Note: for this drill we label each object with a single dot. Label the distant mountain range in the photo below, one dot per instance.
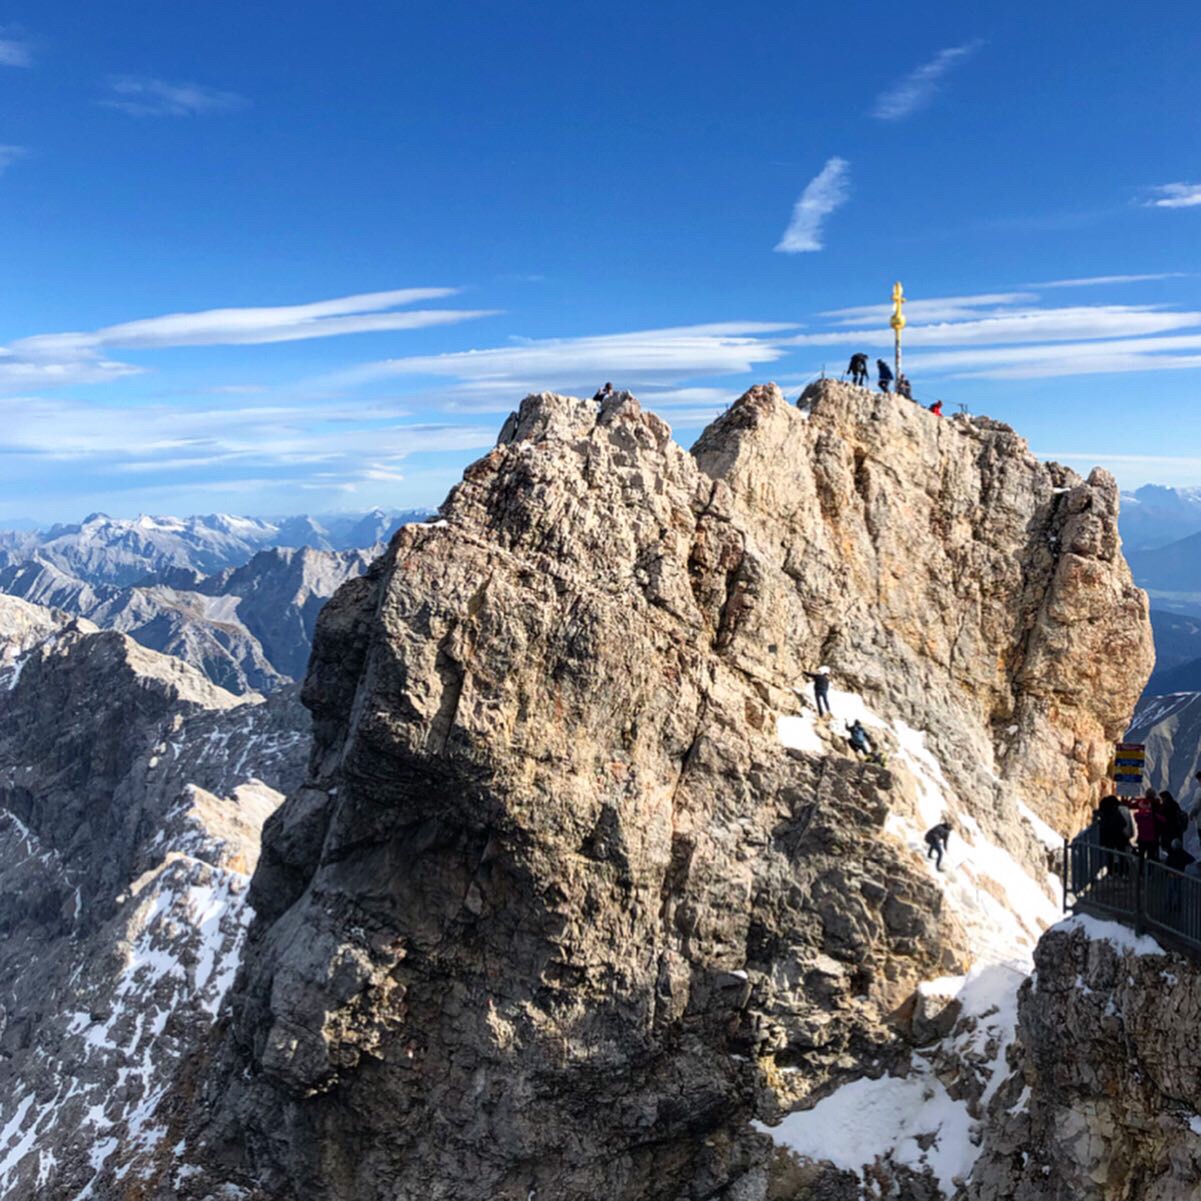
(236, 597)
(103, 549)
(1154, 515)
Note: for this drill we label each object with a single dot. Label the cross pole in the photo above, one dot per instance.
(897, 321)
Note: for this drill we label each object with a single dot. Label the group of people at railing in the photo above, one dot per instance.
(1154, 827)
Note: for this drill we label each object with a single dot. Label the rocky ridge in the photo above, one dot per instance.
(247, 628)
(132, 796)
(578, 887)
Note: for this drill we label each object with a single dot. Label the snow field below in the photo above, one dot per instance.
(913, 1120)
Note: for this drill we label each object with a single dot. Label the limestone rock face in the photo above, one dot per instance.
(948, 572)
(557, 911)
(1103, 1104)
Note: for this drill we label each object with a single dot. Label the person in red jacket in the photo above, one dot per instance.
(936, 408)
(1146, 824)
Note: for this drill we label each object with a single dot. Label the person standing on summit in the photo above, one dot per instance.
(885, 373)
(857, 368)
(821, 689)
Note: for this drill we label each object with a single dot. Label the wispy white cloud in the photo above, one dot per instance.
(48, 360)
(659, 356)
(935, 308)
(144, 97)
(1175, 196)
(1050, 361)
(1099, 280)
(1019, 325)
(825, 192)
(1072, 456)
(9, 155)
(917, 89)
(247, 326)
(15, 51)
(296, 442)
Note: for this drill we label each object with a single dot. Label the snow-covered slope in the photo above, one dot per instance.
(927, 1118)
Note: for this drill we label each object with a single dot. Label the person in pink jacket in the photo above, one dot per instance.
(1147, 825)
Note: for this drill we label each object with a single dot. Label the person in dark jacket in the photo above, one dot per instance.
(857, 368)
(821, 688)
(1175, 820)
(903, 386)
(936, 840)
(1178, 859)
(885, 374)
(1114, 834)
(857, 736)
(603, 394)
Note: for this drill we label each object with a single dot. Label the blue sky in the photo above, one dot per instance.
(267, 258)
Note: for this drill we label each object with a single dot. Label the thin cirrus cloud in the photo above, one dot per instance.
(15, 51)
(918, 88)
(490, 379)
(1011, 336)
(1020, 325)
(9, 155)
(225, 445)
(943, 308)
(47, 360)
(1092, 281)
(1175, 196)
(144, 97)
(824, 193)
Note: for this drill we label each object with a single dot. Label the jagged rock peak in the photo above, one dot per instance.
(578, 885)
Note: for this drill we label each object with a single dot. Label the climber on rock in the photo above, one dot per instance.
(861, 744)
(936, 840)
(936, 408)
(857, 369)
(904, 388)
(603, 394)
(885, 374)
(821, 689)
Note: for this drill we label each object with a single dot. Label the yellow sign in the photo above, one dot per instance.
(897, 320)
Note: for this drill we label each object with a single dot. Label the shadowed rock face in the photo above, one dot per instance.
(1104, 1098)
(556, 906)
(132, 795)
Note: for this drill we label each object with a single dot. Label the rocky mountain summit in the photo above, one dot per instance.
(132, 796)
(581, 899)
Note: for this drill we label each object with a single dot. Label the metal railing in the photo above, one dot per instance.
(1135, 889)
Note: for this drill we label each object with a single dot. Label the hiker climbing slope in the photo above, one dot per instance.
(936, 840)
(821, 688)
